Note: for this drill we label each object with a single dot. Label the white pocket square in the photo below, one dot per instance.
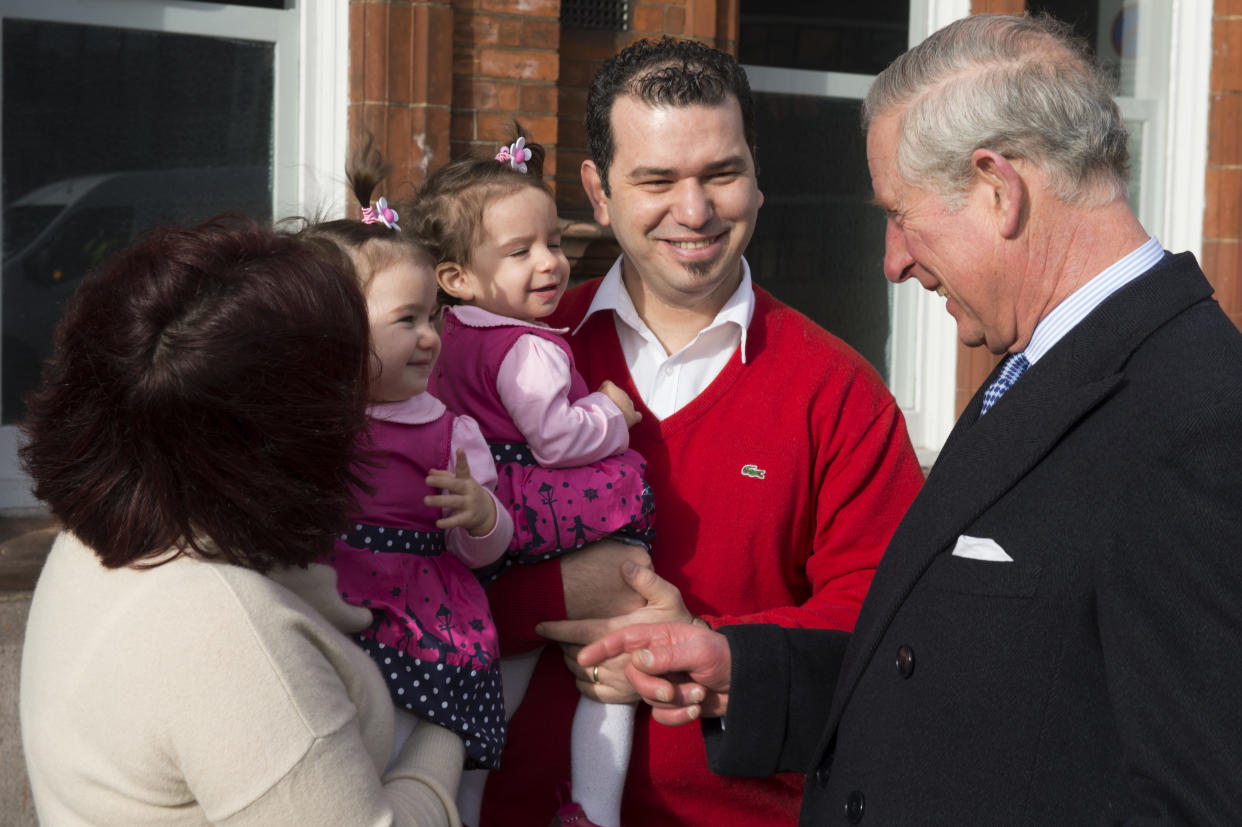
(980, 548)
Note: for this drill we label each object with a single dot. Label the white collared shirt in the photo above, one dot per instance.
(1066, 315)
(668, 382)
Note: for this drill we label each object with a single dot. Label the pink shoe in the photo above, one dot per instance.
(570, 812)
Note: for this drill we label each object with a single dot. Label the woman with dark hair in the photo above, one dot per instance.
(182, 664)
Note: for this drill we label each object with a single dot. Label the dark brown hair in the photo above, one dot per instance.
(205, 394)
(447, 215)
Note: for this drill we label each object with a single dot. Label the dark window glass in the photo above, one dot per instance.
(818, 244)
(1110, 28)
(117, 131)
(860, 38)
(258, 4)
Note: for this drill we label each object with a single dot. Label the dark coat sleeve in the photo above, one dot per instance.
(781, 684)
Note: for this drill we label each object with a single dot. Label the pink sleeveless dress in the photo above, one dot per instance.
(554, 510)
(432, 635)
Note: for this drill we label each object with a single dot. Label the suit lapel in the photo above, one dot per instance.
(983, 458)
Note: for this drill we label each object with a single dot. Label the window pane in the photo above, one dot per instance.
(819, 245)
(258, 4)
(1135, 146)
(860, 38)
(116, 131)
(1110, 28)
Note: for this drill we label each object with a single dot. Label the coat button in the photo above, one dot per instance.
(854, 807)
(821, 775)
(905, 661)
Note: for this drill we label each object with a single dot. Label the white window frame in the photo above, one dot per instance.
(1173, 117)
(310, 113)
(1187, 97)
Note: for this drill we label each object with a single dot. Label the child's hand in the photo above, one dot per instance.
(469, 504)
(623, 401)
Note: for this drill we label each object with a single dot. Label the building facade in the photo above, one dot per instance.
(151, 110)
(119, 114)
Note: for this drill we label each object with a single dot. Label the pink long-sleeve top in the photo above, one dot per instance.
(533, 381)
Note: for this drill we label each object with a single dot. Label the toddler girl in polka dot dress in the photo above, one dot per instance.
(420, 528)
(566, 472)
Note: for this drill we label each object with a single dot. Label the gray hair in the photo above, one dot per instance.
(1022, 86)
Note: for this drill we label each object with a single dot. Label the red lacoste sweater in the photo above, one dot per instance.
(776, 490)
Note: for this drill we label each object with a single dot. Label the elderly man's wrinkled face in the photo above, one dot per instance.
(954, 253)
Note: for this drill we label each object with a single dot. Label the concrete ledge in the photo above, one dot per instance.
(24, 544)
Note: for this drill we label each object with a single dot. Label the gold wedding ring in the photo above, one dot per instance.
(595, 674)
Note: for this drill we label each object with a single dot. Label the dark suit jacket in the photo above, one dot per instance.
(1097, 677)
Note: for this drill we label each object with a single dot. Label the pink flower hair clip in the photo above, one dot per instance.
(515, 155)
(381, 213)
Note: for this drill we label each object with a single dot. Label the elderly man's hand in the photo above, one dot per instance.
(682, 670)
(607, 681)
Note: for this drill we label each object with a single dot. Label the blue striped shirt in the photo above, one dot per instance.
(1066, 315)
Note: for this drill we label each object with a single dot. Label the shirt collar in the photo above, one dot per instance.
(1079, 304)
(478, 317)
(612, 295)
(417, 410)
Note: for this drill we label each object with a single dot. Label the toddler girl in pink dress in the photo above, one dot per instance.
(420, 529)
(565, 469)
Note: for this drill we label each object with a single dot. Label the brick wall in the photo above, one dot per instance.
(1222, 217)
(582, 51)
(997, 6)
(400, 84)
(590, 248)
(433, 78)
(505, 67)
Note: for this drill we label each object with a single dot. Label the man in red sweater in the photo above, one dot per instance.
(780, 462)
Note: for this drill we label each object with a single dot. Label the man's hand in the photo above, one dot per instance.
(682, 670)
(662, 603)
(468, 503)
(622, 400)
(592, 581)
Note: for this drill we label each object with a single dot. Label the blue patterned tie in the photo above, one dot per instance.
(1015, 365)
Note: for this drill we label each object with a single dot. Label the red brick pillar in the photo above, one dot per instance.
(997, 6)
(400, 84)
(505, 66)
(1222, 217)
(653, 18)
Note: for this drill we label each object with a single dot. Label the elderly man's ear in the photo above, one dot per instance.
(455, 280)
(594, 186)
(1008, 189)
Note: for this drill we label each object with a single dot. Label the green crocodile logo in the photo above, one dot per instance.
(753, 471)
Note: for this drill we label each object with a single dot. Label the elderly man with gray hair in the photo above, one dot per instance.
(1047, 638)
